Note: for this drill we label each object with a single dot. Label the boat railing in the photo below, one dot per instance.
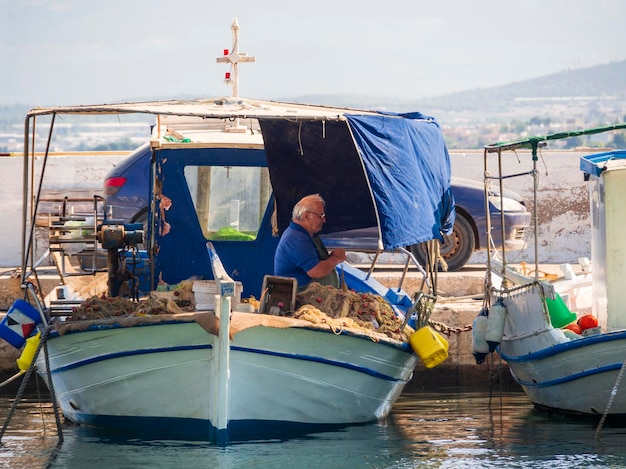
(499, 177)
(409, 261)
(72, 233)
(368, 247)
(70, 225)
(421, 302)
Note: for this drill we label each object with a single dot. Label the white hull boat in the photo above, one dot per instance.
(573, 377)
(560, 371)
(231, 188)
(567, 361)
(286, 376)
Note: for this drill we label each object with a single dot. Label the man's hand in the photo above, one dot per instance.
(339, 253)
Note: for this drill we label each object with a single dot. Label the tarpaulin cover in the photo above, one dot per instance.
(395, 173)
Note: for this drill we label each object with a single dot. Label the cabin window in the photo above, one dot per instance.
(230, 201)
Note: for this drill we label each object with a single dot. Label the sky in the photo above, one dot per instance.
(66, 52)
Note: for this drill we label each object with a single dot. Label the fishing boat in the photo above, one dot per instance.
(254, 358)
(567, 360)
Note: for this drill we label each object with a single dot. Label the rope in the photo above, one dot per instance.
(55, 404)
(434, 260)
(610, 403)
(27, 374)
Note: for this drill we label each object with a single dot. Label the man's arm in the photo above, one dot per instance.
(325, 267)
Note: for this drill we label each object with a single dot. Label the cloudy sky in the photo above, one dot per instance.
(56, 52)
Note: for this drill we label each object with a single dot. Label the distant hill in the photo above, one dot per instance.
(599, 81)
(605, 81)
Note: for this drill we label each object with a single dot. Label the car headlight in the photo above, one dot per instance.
(506, 204)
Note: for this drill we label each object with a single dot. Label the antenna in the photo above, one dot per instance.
(234, 57)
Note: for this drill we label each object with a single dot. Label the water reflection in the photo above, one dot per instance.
(31, 436)
(424, 430)
(467, 430)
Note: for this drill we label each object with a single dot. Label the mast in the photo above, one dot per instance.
(234, 58)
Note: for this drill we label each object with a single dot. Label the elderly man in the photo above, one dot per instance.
(301, 253)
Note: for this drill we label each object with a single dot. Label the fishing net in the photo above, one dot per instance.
(102, 307)
(357, 310)
(318, 304)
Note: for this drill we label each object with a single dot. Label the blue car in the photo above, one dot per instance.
(126, 191)
(126, 187)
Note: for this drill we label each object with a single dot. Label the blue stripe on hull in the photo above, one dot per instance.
(325, 361)
(129, 353)
(566, 346)
(568, 378)
(295, 356)
(576, 346)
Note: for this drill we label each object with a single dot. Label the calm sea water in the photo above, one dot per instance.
(425, 429)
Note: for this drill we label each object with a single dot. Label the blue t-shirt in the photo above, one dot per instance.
(296, 254)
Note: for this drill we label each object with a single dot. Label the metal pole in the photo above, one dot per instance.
(221, 394)
(535, 210)
(222, 354)
(25, 186)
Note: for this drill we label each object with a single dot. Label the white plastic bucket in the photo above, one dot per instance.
(204, 292)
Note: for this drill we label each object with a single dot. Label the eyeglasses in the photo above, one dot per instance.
(321, 215)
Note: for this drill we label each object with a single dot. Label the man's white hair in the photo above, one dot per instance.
(306, 203)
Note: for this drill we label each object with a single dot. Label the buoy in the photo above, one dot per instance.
(575, 328)
(560, 315)
(28, 354)
(495, 324)
(480, 348)
(588, 321)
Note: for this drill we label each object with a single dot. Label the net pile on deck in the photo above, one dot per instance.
(104, 307)
(356, 310)
(318, 304)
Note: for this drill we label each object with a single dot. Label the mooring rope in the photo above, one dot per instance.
(610, 402)
(53, 397)
(22, 388)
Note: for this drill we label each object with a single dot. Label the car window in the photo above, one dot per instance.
(229, 201)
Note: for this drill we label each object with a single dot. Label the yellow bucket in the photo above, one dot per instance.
(429, 346)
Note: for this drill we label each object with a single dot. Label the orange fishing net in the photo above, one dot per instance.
(366, 310)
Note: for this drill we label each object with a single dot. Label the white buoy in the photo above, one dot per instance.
(480, 348)
(495, 324)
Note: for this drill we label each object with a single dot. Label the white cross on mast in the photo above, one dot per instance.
(234, 58)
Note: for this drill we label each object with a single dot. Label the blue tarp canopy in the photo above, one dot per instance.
(386, 170)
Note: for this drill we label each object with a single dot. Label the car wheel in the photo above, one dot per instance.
(457, 247)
